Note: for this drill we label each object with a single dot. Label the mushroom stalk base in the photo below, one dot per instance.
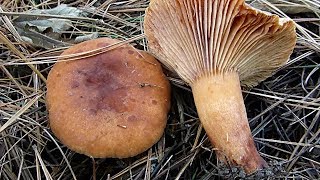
(222, 113)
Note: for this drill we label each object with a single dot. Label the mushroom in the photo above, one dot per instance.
(111, 105)
(215, 46)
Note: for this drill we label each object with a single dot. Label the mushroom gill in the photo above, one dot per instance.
(216, 46)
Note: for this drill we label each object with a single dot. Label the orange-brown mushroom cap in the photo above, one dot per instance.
(197, 38)
(114, 104)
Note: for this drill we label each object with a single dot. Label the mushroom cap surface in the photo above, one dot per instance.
(114, 104)
(197, 38)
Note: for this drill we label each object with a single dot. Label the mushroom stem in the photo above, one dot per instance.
(222, 113)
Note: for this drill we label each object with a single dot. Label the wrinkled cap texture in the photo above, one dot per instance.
(197, 38)
(114, 104)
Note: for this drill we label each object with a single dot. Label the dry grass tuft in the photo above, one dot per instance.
(283, 111)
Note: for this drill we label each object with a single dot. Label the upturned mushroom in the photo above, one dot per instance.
(215, 46)
(111, 105)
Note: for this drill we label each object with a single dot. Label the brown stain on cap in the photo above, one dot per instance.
(100, 78)
(130, 52)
